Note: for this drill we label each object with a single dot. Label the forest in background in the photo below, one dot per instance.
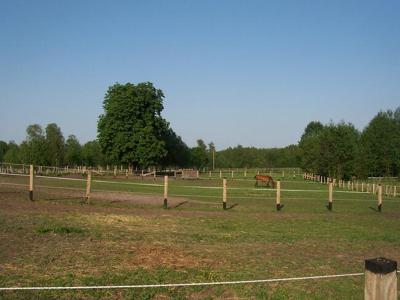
(132, 132)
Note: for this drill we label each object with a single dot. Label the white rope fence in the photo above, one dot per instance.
(182, 186)
(170, 285)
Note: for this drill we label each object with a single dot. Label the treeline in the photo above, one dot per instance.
(132, 132)
(49, 148)
(251, 157)
(341, 151)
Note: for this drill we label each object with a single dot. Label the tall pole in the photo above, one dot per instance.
(213, 158)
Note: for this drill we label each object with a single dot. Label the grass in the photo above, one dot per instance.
(64, 242)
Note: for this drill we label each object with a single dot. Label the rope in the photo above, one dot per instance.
(170, 285)
(184, 186)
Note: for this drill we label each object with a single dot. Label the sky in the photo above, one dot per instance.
(253, 73)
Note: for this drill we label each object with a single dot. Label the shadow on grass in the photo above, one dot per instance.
(180, 204)
(232, 206)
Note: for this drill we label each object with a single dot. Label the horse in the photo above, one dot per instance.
(268, 180)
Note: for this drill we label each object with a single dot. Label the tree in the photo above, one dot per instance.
(3, 150)
(130, 130)
(92, 155)
(380, 144)
(55, 145)
(199, 155)
(178, 153)
(73, 151)
(309, 147)
(13, 154)
(33, 150)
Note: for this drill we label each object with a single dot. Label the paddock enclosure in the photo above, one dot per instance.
(120, 233)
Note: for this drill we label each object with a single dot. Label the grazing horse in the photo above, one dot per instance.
(268, 180)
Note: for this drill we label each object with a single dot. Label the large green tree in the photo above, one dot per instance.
(130, 131)
(380, 144)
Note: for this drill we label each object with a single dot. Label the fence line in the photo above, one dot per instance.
(182, 186)
(169, 285)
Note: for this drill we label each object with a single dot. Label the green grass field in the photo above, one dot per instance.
(58, 240)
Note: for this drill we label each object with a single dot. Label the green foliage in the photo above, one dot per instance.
(178, 153)
(339, 150)
(55, 145)
(242, 157)
(381, 144)
(330, 150)
(130, 130)
(13, 154)
(34, 149)
(73, 151)
(91, 154)
(200, 155)
(3, 149)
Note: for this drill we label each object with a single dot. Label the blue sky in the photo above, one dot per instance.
(234, 72)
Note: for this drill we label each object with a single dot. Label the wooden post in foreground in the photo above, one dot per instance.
(224, 193)
(31, 182)
(330, 196)
(165, 192)
(380, 279)
(88, 186)
(278, 195)
(379, 198)
(394, 191)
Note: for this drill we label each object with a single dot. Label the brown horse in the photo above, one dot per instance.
(268, 180)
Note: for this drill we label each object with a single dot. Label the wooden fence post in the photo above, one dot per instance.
(232, 174)
(220, 173)
(394, 191)
(373, 188)
(380, 279)
(31, 182)
(330, 195)
(115, 171)
(88, 186)
(165, 192)
(379, 198)
(278, 195)
(224, 193)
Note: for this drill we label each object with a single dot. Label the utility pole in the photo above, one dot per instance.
(213, 158)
